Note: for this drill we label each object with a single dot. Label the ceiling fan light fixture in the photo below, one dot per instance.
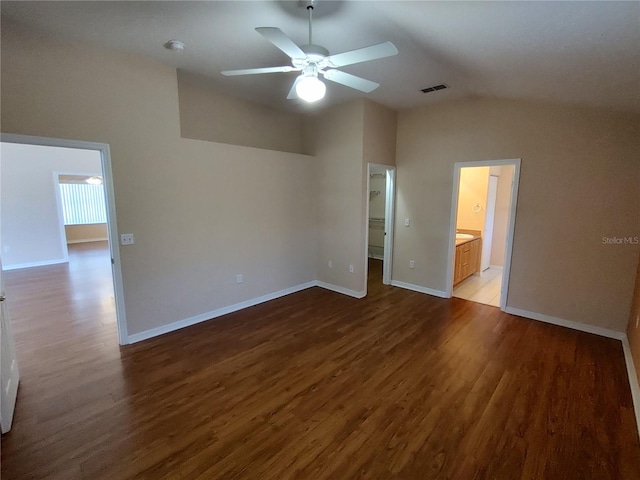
(314, 59)
(94, 180)
(310, 88)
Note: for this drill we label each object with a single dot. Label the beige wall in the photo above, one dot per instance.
(579, 182)
(86, 233)
(380, 130)
(335, 137)
(208, 115)
(501, 219)
(633, 329)
(474, 183)
(201, 212)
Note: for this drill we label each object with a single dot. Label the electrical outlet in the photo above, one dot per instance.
(126, 239)
(351, 269)
(406, 222)
(412, 264)
(330, 263)
(239, 279)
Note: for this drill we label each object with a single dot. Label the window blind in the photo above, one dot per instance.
(83, 203)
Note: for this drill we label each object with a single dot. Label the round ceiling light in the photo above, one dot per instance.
(310, 89)
(174, 45)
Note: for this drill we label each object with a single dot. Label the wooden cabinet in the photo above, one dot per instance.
(467, 260)
(475, 250)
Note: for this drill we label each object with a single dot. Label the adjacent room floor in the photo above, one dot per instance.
(314, 385)
(482, 287)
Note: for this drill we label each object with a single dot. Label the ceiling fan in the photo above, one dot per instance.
(313, 60)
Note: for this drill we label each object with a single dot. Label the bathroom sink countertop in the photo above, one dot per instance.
(464, 238)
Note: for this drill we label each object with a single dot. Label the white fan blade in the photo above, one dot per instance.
(280, 40)
(352, 81)
(386, 49)
(292, 92)
(254, 71)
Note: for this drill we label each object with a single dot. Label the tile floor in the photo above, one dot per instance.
(481, 288)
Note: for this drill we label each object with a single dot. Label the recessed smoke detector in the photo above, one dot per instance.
(435, 88)
(174, 45)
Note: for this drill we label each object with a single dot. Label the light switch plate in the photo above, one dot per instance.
(406, 222)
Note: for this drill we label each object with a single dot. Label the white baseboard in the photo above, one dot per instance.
(338, 289)
(87, 240)
(34, 264)
(187, 322)
(418, 288)
(583, 327)
(633, 380)
(497, 267)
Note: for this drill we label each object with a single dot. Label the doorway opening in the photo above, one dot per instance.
(380, 218)
(87, 243)
(482, 225)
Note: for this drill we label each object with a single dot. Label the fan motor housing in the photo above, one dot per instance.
(315, 52)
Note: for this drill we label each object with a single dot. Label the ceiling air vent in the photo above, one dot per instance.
(435, 88)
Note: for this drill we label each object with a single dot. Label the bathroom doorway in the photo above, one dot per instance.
(482, 226)
(380, 211)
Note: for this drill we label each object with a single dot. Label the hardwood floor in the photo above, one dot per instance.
(315, 385)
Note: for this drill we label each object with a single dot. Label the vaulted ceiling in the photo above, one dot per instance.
(585, 53)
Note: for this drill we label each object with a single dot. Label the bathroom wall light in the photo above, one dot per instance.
(310, 89)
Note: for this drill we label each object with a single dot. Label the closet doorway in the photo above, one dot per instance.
(381, 182)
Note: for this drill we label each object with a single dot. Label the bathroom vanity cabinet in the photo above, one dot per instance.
(467, 259)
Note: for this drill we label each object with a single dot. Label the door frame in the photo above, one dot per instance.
(112, 225)
(506, 271)
(389, 207)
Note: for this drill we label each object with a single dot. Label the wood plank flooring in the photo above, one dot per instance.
(315, 385)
